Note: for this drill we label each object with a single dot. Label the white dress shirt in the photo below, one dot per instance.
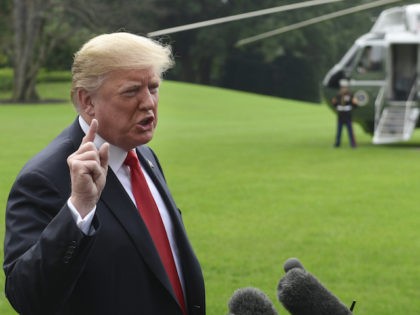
(116, 163)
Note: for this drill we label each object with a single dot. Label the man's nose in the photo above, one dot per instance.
(146, 100)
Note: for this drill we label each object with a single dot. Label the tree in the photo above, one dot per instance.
(290, 65)
(38, 25)
(5, 9)
(29, 50)
(41, 25)
(51, 30)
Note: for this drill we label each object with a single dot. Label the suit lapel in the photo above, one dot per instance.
(189, 264)
(127, 214)
(151, 166)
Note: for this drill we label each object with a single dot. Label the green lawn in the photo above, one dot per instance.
(258, 181)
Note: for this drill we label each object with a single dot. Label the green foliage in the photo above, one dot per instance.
(5, 33)
(258, 181)
(53, 76)
(208, 55)
(6, 77)
(290, 65)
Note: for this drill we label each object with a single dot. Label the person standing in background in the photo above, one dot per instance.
(344, 102)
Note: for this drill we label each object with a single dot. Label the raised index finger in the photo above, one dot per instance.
(90, 135)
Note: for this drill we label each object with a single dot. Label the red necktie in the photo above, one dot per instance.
(151, 217)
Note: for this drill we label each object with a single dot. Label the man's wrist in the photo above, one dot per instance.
(83, 223)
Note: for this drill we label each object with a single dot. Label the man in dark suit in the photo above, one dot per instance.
(77, 241)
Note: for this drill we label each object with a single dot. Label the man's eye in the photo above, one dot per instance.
(130, 92)
(154, 89)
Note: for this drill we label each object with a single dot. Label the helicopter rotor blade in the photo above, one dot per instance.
(236, 17)
(318, 19)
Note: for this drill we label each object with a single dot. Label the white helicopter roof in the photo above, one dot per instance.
(399, 19)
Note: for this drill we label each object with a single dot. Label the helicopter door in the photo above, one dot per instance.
(404, 70)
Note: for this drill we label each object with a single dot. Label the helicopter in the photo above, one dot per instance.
(382, 69)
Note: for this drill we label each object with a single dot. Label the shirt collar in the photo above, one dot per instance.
(116, 154)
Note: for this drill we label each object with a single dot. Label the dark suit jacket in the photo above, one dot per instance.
(51, 267)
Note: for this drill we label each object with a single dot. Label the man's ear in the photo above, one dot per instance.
(85, 103)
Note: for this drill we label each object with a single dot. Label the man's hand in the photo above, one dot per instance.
(88, 169)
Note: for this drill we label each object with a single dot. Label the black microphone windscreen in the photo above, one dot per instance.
(292, 263)
(250, 301)
(302, 294)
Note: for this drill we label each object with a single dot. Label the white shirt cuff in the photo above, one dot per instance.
(84, 224)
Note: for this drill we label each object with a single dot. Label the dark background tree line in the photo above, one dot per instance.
(37, 34)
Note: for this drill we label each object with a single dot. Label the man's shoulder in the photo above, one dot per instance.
(56, 152)
(146, 151)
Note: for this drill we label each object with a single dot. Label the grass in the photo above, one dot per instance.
(258, 181)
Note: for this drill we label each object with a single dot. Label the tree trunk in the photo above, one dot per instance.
(29, 16)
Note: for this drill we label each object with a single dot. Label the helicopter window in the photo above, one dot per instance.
(350, 60)
(371, 59)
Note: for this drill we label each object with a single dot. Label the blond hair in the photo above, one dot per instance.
(105, 53)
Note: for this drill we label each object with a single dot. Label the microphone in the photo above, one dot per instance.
(302, 294)
(292, 263)
(250, 301)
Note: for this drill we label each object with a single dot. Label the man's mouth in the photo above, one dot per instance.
(146, 121)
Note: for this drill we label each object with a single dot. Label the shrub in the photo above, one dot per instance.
(54, 76)
(6, 77)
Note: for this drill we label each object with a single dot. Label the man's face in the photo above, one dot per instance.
(126, 107)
